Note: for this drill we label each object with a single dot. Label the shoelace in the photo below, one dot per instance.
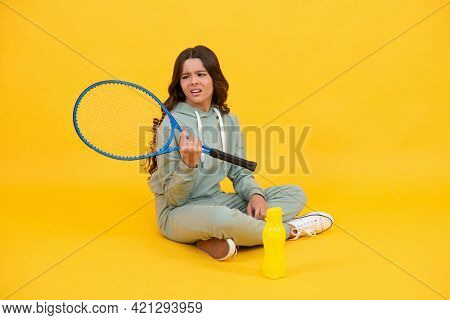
(307, 229)
(299, 232)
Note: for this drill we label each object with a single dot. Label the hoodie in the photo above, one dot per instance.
(175, 184)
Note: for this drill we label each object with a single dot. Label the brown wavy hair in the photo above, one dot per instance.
(219, 97)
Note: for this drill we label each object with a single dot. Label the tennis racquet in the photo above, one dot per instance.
(108, 116)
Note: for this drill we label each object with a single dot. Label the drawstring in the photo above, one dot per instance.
(200, 132)
(222, 130)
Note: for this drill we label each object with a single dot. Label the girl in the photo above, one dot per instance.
(190, 206)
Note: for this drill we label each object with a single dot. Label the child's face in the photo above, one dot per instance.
(197, 84)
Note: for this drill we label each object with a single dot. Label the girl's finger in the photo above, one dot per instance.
(183, 138)
(197, 145)
(190, 142)
(263, 212)
(257, 213)
(252, 211)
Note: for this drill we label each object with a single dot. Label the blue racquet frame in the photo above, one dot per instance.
(165, 149)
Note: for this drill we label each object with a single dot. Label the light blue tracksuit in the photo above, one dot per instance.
(190, 205)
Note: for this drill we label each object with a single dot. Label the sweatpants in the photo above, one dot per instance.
(225, 216)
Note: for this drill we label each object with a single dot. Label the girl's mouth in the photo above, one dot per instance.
(195, 92)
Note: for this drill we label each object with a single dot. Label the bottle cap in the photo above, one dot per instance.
(274, 215)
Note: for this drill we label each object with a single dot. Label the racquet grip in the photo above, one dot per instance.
(250, 165)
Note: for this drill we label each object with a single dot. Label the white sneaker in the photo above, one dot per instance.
(310, 224)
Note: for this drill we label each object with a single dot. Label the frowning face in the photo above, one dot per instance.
(197, 84)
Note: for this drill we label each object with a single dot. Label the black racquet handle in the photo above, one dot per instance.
(250, 165)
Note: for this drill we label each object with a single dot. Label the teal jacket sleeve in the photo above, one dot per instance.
(243, 181)
(175, 177)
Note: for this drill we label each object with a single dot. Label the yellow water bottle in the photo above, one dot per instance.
(274, 239)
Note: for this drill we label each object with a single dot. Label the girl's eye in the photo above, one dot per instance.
(202, 74)
(184, 77)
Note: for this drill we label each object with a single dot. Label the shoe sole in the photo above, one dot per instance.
(232, 252)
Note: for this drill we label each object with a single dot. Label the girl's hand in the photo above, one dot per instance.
(257, 207)
(190, 150)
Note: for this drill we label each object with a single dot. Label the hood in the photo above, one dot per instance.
(188, 110)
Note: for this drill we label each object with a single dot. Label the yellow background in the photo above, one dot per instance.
(76, 225)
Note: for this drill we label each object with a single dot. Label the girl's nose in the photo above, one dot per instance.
(194, 79)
